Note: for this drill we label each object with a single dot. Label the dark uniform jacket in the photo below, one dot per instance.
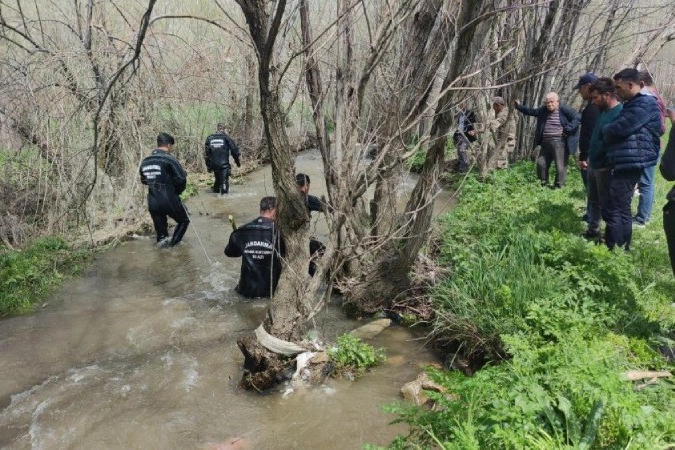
(261, 248)
(667, 166)
(589, 116)
(217, 150)
(165, 178)
(569, 119)
(634, 137)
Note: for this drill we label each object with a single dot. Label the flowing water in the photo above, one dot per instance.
(140, 352)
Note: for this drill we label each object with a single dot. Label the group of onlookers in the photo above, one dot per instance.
(618, 134)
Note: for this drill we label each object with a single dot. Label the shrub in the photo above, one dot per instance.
(353, 357)
(27, 276)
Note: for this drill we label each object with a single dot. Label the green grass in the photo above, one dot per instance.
(557, 319)
(28, 276)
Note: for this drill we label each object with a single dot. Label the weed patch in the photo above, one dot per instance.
(560, 320)
(28, 276)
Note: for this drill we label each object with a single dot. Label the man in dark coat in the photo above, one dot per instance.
(464, 135)
(557, 134)
(166, 180)
(633, 143)
(261, 247)
(217, 150)
(667, 169)
(316, 247)
(589, 115)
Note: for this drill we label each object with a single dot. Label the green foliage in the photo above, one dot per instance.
(563, 317)
(416, 162)
(351, 355)
(190, 191)
(27, 276)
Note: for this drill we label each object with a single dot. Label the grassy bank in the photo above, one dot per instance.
(28, 276)
(558, 320)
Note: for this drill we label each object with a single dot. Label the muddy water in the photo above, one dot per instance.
(140, 352)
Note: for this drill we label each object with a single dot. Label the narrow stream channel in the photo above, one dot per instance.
(140, 352)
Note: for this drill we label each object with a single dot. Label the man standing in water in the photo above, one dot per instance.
(166, 180)
(217, 150)
(261, 247)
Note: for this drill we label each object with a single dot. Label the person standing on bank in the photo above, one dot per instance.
(634, 142)
(166, 180)
(217, 150)
(556, 133)
(667, 169)
(464, 136)
(589, 115)
(261, 247)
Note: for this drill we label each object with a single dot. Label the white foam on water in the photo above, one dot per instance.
(191, 376)
(77, 375)
(37, 435)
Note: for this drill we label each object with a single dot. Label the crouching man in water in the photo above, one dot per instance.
(166, 180)
(261, 247)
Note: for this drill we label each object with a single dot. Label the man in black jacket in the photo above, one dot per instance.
(589, 115)
(166, 180)
(556, 133)
(464, 136)
(667, 169)
(261, 247)
(217, 150)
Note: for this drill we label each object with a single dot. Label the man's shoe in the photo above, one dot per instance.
(164, 243)
(638, 224)
(592, 235)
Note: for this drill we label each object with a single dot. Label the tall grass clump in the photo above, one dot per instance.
(28, 276)
(548, 325)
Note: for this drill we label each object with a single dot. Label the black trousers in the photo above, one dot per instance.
(669, 228)
(221, 185)
(619, 220)
(552, 150)
(177, 212)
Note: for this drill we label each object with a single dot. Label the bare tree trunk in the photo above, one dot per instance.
(389, 277)
(290, 307)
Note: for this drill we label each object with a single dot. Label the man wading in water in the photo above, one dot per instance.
(261, 248)
(166, 180)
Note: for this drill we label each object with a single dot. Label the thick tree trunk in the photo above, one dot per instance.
(388, 277)
(291, 304)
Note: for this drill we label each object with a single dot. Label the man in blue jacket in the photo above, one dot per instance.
(556, 132)
(633, 142)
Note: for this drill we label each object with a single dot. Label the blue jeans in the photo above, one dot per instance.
(646, 187)
(619, 220)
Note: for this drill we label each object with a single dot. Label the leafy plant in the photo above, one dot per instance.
(27, 276)
(353, 356)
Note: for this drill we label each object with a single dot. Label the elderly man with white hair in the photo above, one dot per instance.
(557, 135)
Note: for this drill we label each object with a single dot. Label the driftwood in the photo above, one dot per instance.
(635, 375)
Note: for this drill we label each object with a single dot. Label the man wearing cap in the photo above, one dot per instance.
(166, 180)
(503, 141)
(217, 150)
(589, 115)
(556, 133)
(261, 247)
